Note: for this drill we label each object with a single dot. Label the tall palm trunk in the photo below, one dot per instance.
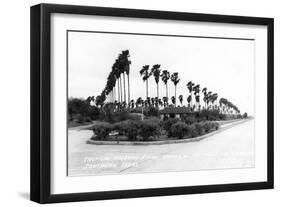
(115, 93)
(157, 94)
(129, 99)
(167, 90)
(124, 88)
(118, 90)
(175, 95)
(146, 89)
(191, 104)
(121, 95)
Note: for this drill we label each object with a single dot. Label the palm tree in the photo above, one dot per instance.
(173, 100)
(114, 71)
(152, 101)
(204, 91)
(110, 85)
(88, 100)
(165, 100)
(145, 73)
(117, 73)
(99, 101)
(214, 99)
(228, 106)
(139, 102)
(224, 103)
(189, 100)
(148, 100)
(142, 102)
(196, 90)
(175, 79)
(180, 99)
(220, 106)
(155, 71)
(132, 103)
(121, 60)
(160, 102)
(189, 86)
(127, 63)
(165, 76)
(156, 100)
(120, 89)
(93, 99)
(116, 104)
(209, 95)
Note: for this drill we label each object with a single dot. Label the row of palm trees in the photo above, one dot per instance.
(165, 75)
(224, 106)
(227, 106)
(209, 98)
(115, 88)
(156, 72)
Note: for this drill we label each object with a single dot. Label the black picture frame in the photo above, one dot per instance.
(40, 102)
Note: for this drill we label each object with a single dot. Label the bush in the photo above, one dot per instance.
(167, 124)
(94, 113)
(189, 120)
(210, 126)
(153, 120)
(199, 129)
(79, 118)
(193, 131)
(245, 115)
(109, 115)
(80, 107)
(77, 106)
(121, 116)
(207, 127)
(210, 115)
(215, 125)
(148, 129)
(129, 128)
(102, 130)
(152, 111)
(120, 127)
(135, 116)
(222, 117)
(132, 130)
(180, 129)
(87, 119)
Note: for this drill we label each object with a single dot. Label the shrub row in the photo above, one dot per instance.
(180, 129)
(210, 115)
(102, 130)
(134, 129)
(130, 128)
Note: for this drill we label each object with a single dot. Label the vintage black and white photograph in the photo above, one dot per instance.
(150, 103)
(130, 103)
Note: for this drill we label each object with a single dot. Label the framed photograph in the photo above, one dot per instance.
(132, 103)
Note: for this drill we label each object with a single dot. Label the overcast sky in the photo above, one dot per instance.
(223, 66)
